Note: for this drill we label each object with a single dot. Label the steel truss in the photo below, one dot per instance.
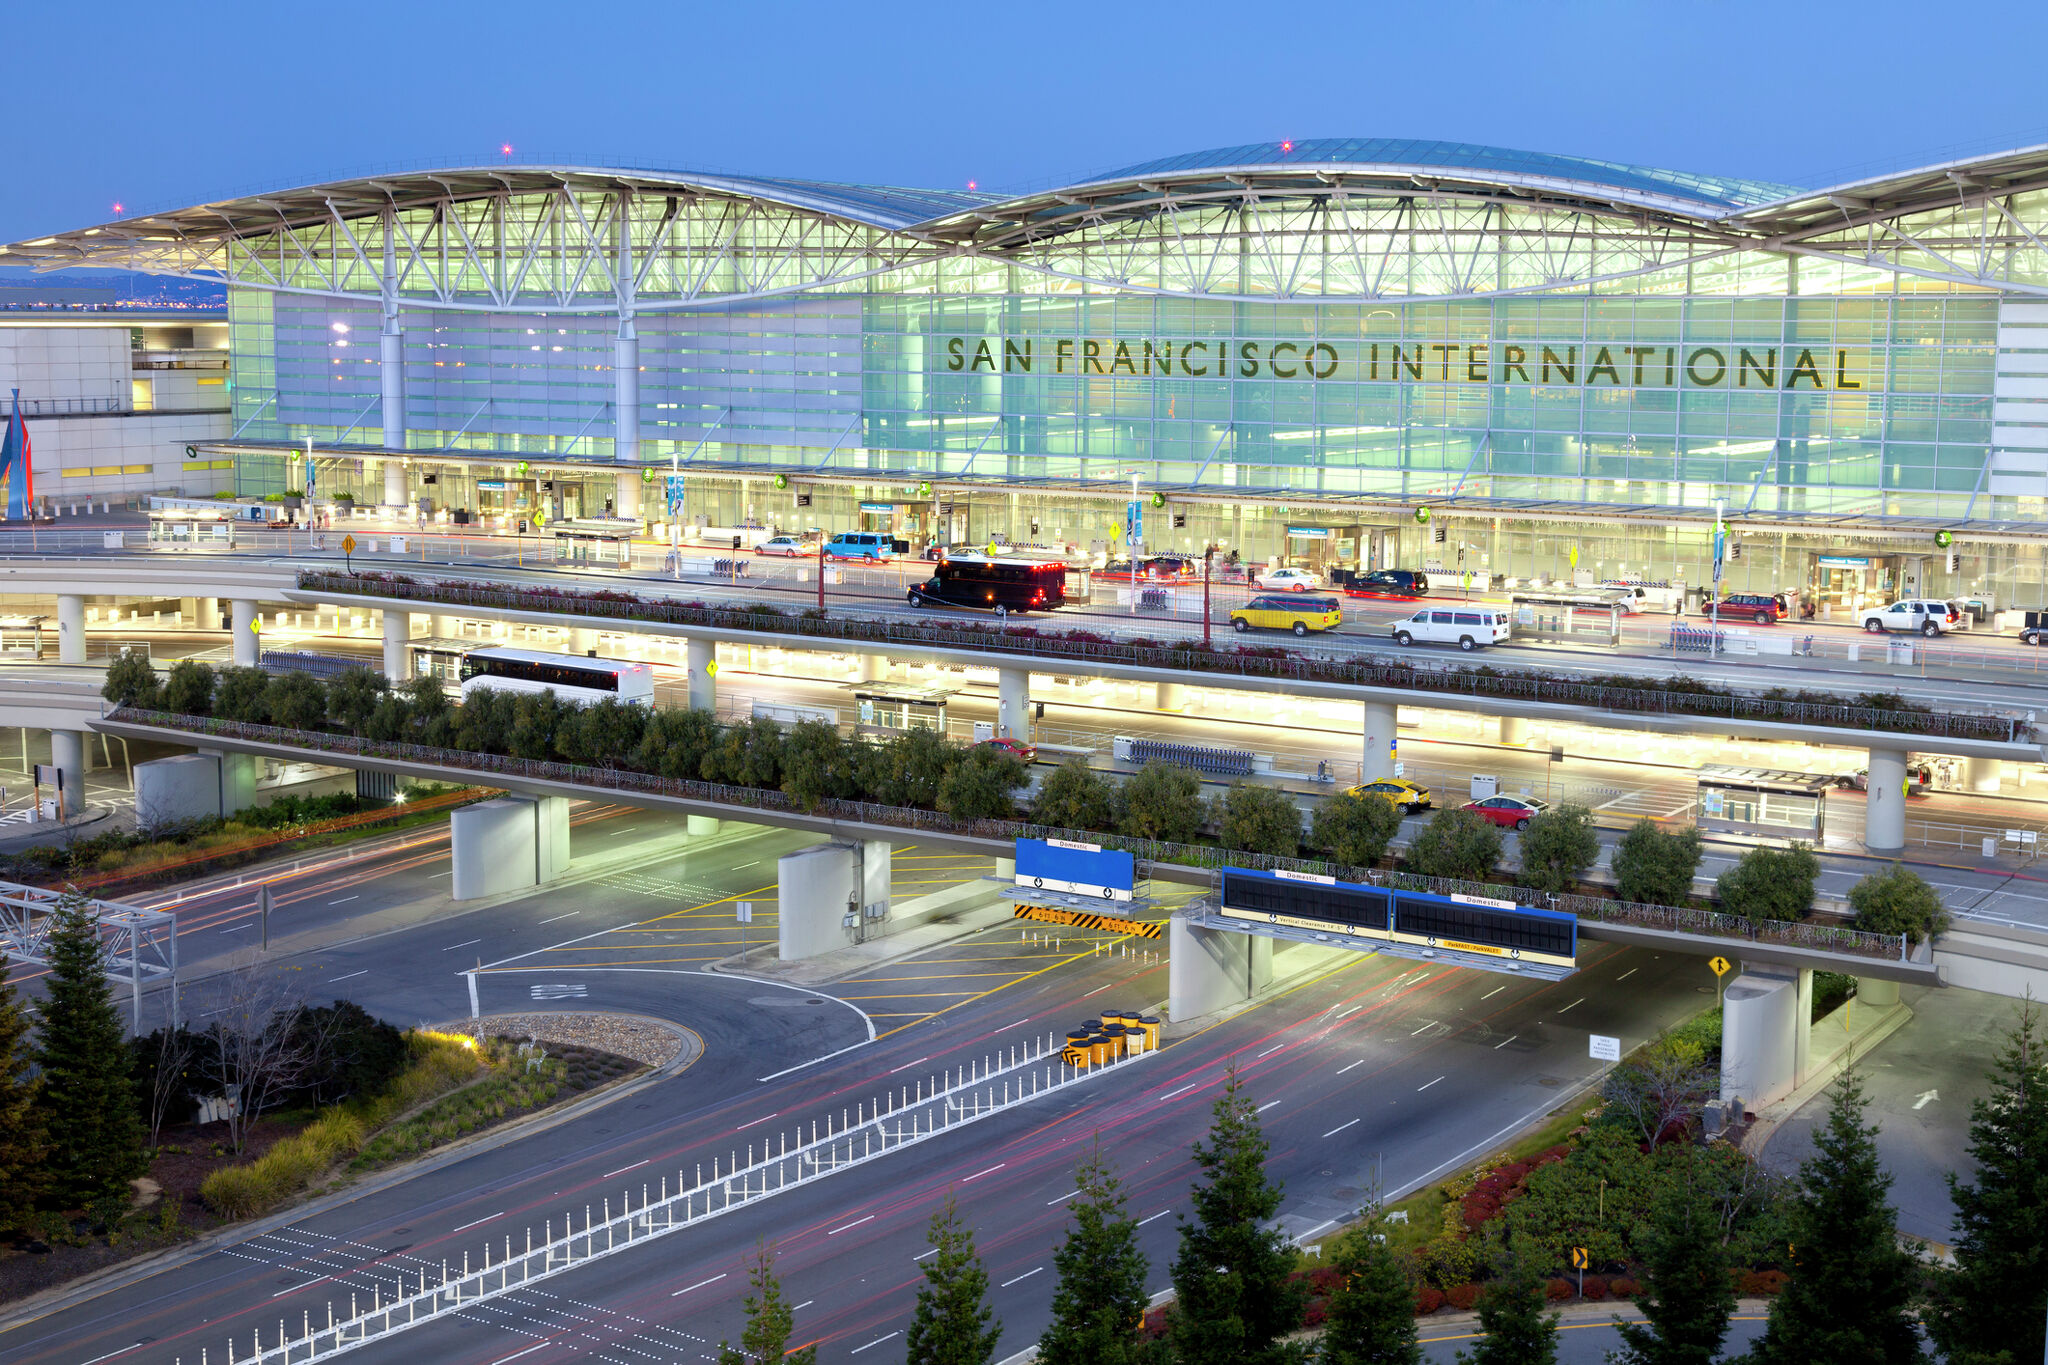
(141, 946)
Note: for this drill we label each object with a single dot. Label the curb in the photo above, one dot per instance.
(1776, 1114)
(89, 1287)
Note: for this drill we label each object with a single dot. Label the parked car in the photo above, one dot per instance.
(1762, 608)
(1649, 597)
(1390, 583)
(1398, 791)
(788, 546)
(861, 545)
(1509, 812)
(1298, 613)
(1289, 580)
(1912, 613)
(1468, 628)
(1919, 778)
(1028, 753)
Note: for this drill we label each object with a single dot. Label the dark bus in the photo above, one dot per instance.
(985, 583)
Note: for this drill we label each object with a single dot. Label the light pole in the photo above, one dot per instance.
(1134, 519)
(1714, 613)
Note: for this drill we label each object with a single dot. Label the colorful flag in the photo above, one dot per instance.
(14, 465)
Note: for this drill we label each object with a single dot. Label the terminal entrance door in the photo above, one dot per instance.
(1845, 584)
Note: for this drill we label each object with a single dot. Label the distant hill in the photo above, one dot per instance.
(128, 288)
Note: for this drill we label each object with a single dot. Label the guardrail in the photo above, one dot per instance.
(1188, 657)
(1188, 856)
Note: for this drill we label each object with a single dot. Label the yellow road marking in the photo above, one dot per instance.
(942, 976)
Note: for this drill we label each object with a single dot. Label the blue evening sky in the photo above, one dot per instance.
(159, 105)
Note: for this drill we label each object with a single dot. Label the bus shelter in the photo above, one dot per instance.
(191, 528)
(881, 709)
(600, 542)
(1589, 616)
(1762, 802)
(441, 657)
(21, 637)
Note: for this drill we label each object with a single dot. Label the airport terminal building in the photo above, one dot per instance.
(1432, 355)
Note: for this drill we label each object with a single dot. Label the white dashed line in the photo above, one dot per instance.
(876, 1342)
(763, 1119)
(345, 900)
(351, 976)
(1420, 1088)
(990, 1171)
(907, 1065)
(1183, 1090)
(293, 1290)
(466, 943)
(479, 1222)
(609, 1174)
(1161, 1214)
(552, 918)
(1580, 1001)
(1492, 993)
(1270, 1051)
(1264, 1107)
(1354, 1066)
(1627, 974)
(1020, 1279)
(1505, 1041)
(1339, 1128)
(854, 1224)
(699, 1285)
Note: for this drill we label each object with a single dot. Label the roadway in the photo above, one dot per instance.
(1364, 1063)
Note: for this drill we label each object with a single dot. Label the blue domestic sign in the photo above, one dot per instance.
(1076, 868)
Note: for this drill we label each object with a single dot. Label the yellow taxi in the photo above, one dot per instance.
(1298, 612)
(1399, 791)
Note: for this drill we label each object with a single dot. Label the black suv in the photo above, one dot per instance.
(1389, 583)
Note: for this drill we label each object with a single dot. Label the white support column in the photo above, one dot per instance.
(397, 638)
(1212, 969)
(875, 862)
(1884, 814)
(1382, 729)
(394, 483)
(625, 493)
(700, 826)
(243, 634)
(440, 626)
(872, 667)
(1170, 696)
(67, 755)
(1514, 730)
(1760, 1043)
(508, 844)
(70, 629)
(582, 640)
(626, 350)
(1982, 774)
(813, 887)
(702, 659)
(1013, 704)
(1802, 1030)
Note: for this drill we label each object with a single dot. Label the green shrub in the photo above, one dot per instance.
(1075, 796)
(1259, 820)
(132, 681)
(1558, 847)
(1898, 900)
(1355, 828)
(1655, 866)
(1770, 884)
(188, 688)
(982, 785)
(1162, 802)
(1456, 844)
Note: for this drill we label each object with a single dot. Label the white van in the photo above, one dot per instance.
(1466, 627)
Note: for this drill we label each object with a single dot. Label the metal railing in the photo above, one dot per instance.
(1189, 856)
(1691, 700)
(862, 1133)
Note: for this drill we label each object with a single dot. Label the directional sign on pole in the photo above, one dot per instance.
(1580, 1259)
(746, 912)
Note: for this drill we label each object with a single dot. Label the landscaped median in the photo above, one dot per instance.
(1881, 712)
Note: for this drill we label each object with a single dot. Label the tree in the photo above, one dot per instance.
(96, 1148)
(748, 754)
(1259, 820)
(163, 1077)
(1770, 883)
(241, 694)
(536, 717)
(1372, 1312)
(770, 1320)
(257, 1052)
(1355, 827)
(1852, 1284)
(352, 695)
(1099, 1303)
(1236, 1305)
(1075, 796)
(982, 785)
(23, 1140)
(951, 1322)
(390, 719)
(297, 701)
(1665, 1084)
(1456, 844)
(132, 681)
(676, 742)
(1993, 1299)
(909, 770)
(1161, 802)
(1687, 1295)
(1558, 847)
(1897, 900)
(816, 763)
(1655, 866)
(188, 688)
(1517, 1330)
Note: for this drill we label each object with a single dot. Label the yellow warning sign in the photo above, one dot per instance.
(1719, 964)
(348, 545)
(1580, 1260)
(1082, 919)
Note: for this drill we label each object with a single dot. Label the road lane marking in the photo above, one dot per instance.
(552, 918)
(1020, 1279)
(1426, 1025)
(1354, 1066)
(1264, 1107)
(990, 1171)
(1068, 1195)
(763, 1119)
(876, 1342)
(854, 1224)
(1270, 1051)
(464, 944)
(1580, 1001)
(449, 873)
(805, 1304)
(332, 979)
(282, 1292)
(700, 1284)
(1627, 974)
(906, 1066)
(1161, 1214)
(1492, 993)
(481, 1221)
(236, 928)
(1420, 1088)
(621, 1171)
(922, 1254)
(1339, 1128)
(1353, 1010)
(1505, 1041)
(527, 1352)
(345, 899)
(1171, 1093)
(744, 866)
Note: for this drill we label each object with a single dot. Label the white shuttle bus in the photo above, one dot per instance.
(574, 678)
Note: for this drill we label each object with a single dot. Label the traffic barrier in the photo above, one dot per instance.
(1084, 920)
(1200, 757)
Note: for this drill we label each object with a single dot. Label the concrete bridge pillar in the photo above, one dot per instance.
(242, 631)
(582, 640)
(67, 756)
(508, 844)
(1766, 1031)
(701, 656)
(871, 667)
(1013, 704)
(397, 642)
(700, 826)
(440, 626)
(1382, 731)
(1514, 730)
(1875, 993)
(70, 629)
(817, 888)
(1212, 969)
(1884, 817)
(1982, 774)
(394, 483)
(1170, 696)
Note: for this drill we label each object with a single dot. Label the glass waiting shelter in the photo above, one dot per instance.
(21, 637)
(442, 658)
(885, 710)
(191, 527)
(1763, 802)
(602, 542)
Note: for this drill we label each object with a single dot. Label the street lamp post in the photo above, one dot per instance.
(1714, 615)
(1135, 526)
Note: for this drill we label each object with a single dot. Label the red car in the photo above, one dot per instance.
(1027, 753)
(1509, 812)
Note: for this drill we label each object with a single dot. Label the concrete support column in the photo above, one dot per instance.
(582, 639)
(397, 639)
(1982, 774)
(1763, 1041)
(1802, 1029)
(243, 634)
(626, 395)
(237, 780)
(70, 629)
(1876, 994)
(874, 862)
(394, 483)
(813, 887)
(1514, 730)
(1212, 969)
(1013, 704)
(702, 659)
(626, 494)
(1382, 730)
(1006, 869)
(440, 626)
(1884, 817)
(207, 612)
(871, 667)
(391, 388)
(67, 755)
(1170, 696)
(508, 844)
(700, 826)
